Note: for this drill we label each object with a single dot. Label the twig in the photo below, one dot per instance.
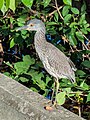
(1, 47)
(83, 34)
(79, 110)
(33, 11)
(50, 14)
(12, 55)
(58, 9)
(85, 46)
(85, 38)
(72, 99)
(71, 49)
(64, 38)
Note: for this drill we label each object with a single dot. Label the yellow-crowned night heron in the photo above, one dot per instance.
(55, 62)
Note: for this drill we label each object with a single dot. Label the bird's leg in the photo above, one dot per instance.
(57, 88)
(52, 96)
(53, 93)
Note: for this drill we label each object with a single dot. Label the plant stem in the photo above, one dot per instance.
(58, 9)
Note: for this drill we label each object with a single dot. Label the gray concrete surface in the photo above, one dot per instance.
(20, 103)
(8, 113)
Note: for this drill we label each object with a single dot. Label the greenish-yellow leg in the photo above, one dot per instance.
(55, 92)
(52, 98)
(57, 88)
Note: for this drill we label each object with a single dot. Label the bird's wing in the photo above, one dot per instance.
(58, 61)
(71, 64)
(53, 53)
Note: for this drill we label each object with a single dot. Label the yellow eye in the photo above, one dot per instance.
(31, 25)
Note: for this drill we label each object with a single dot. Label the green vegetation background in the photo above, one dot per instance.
(68, 28)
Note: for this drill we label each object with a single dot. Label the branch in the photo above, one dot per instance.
(58, 9)
(50, 14)
(33, 11)
(12, 55)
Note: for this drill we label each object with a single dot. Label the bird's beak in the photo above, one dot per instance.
(22, 28)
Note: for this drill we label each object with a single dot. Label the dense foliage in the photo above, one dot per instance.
(67, 28)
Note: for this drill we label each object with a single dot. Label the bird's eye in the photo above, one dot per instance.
(31, 25)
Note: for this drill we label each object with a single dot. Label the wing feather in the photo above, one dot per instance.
(59, 63)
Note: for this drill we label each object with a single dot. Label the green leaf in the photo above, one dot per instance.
(80, 72)
(56, 16)
(3, 9)
(48, 79)
(78, 93)
(21, 67)
(67, 18)
(21, 20)
(82, 18)
(72, 40)
(84, 86)
(37, 78)
(46, 2)
(84, 22)
(23, 79)
(12, 43)
(60, 97)
(83, 8)
(67, 2)
(88, 97)
(86, 25)
(12, 5)
(84, 30)
(34, 89)
(1, 3)
(12, 20)
(32, 73)
(80, 36)
(88, 29)
(7, 74)
(74, 10)
(67, 90)
(28, 60)
(7, 3)
(41, 84)
(51, 23)
(85, 51)
(65, 10)
(27, 3)
(24, 32)
(73, 24)
(86, 63)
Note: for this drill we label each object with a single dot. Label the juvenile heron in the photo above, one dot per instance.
(54, 61)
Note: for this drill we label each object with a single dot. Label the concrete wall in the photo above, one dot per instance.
(20, 103)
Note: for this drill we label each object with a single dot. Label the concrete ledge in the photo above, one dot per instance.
(20, 103)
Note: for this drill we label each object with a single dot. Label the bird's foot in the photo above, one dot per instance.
(50, 105)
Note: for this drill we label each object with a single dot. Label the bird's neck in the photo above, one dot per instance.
(40, 39)
(40, 43)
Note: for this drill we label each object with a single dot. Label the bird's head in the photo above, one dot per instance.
(33, 25)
